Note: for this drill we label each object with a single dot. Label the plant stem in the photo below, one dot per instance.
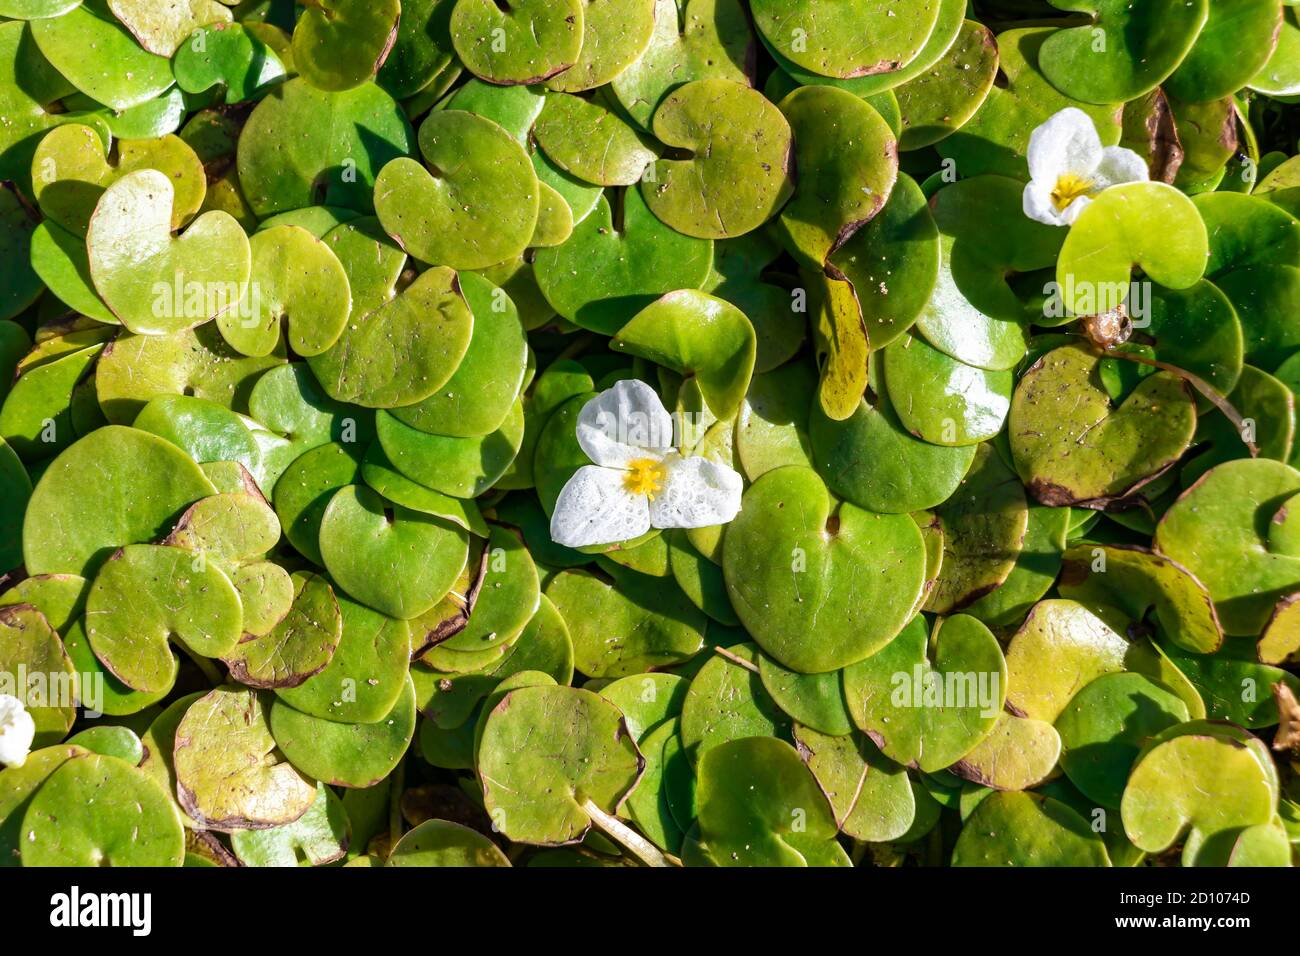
(621, 833)
(736, 659)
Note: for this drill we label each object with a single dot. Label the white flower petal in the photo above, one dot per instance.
(696, 493)
(1120, 165)
(17, 731)
(625, 423)
(1066, 143)
(1038, 204)
(1072, 212)
(595, 507)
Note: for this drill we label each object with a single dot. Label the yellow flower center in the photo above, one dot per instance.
(645, 476)
(1069, 188)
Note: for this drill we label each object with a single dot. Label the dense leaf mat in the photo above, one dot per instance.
(649, 432)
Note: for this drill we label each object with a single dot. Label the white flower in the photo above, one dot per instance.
(638, 480)
(1068, 166)
(17, 730)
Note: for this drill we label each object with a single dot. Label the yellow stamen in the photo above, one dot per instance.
(644, 476)
(1069, 188)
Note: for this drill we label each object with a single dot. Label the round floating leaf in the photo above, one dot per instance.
(1114, 234)
(120, 74)
(589, 140)
(156, 284)
(302, 146)
(589, 760)
(17, 489)
(444, 843)
(1104, 727)
(794, 573)
(479, 397)
(1073, 447)
(147, 595)
(59, 258)
(404, 350)
(297, 281)
(942, 400)
(1229, 530)
(1137, 580)
(1027, 829)
(1127, 50)
(36, 9)
(601, 276)
(626, 626)
(835, 39)
(843, 348)
(740, 173)
(36, 418)
(61, 598)
(507, 596)
(696, 334)
(229, 56)
(228, 776)
(119, 742)
(299, 646)
(479, 206)
(345, 755)
(666, 782)
(71, 170)
(142, 483)
(1234, 684)
(420, 555)
(521, 42)
(924, 713)
(100, 811)
(760, 806)
(340, 44)
(848, 162)
(1196, 780)
(320, 836)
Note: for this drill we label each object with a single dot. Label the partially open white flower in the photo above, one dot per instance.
(1068, 166)
(638, 481)
(17, 731)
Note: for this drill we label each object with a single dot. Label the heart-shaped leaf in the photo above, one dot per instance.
(154, 283)
(524, 42)
(737, 138)
(479, 206)
(228, 775)
(794, 573)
